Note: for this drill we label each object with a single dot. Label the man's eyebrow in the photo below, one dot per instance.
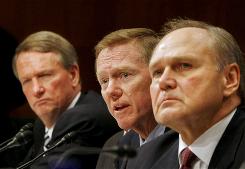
(179, 58)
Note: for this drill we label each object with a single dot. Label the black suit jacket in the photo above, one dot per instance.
(94, 124)
(130, 139)
(110, 161)
(229, 153)
(151, 152)
(107, 160)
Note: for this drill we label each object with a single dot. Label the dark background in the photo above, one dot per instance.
(84, 23)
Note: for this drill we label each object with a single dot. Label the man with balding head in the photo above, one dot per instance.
(197, 90)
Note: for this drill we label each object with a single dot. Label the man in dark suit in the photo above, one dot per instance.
(122, 70)
(46, 66)
(197, 89)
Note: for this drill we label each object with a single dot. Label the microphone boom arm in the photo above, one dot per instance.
(64, 139)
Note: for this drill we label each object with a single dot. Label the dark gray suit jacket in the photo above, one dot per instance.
(106, 160)
(162, 153)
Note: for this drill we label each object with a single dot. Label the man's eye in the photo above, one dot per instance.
(103, 81)
(45, 76)
(25, 82)
(156, 73)
(183, 66)
(124, 74)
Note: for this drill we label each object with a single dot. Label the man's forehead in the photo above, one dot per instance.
(183, 37)
(182, 41)
(185, 34)
(118, 55)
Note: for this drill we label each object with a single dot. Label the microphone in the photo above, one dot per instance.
(119, 151)
(67, 137)
(22, 137)
(27, 126)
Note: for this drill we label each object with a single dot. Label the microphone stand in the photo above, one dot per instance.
(123, 151)
(65, 138)
(20, 139)
(3, 148)
(26, 127)
(37, 157)
(5, 142)
(77, 151)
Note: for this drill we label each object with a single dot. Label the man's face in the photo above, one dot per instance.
(47, 85)
(186, 86)
(125, 80)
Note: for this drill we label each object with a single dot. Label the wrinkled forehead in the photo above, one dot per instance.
(120, 54)
(182, 41)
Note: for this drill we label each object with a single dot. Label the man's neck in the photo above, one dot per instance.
(190, 133)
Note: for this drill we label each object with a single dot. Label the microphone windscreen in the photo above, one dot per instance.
(20, 139)
(27, 126)
(122, 151)
(24, 137)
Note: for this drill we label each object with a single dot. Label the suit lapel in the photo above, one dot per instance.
(131, 139)
(226, 151)
(169, 159)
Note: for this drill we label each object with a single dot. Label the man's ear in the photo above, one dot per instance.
(231, 78)
(75, 74)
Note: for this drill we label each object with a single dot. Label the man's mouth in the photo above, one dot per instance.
(119, 107)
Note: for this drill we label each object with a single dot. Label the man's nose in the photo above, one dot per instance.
(37, 88)
(114, 90)
(167, 80)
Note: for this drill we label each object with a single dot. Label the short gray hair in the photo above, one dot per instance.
(46, 41)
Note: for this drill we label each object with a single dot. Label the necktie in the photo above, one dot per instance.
(46, 140)
(188, 158)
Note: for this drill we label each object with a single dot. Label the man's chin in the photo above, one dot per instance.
(165, 116)
(124, 125)
(44, 112)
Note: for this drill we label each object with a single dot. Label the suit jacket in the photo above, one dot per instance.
(130, 139)
(90, 117)
(107, 160)
(151, 152)
(229, 152)
(110, 161)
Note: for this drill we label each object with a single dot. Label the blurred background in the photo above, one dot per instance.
(84, 23)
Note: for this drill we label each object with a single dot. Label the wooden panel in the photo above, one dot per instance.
(85, 22)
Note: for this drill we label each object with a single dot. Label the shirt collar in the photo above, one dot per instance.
(157, 131)
(204, 146)
(74, 101)
(49, 130)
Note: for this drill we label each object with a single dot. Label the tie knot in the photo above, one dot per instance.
(187, 157)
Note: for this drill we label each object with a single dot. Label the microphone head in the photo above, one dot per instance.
(67, 137)
(24, 137)
(20, 139)
(28, 126)
(122, 151)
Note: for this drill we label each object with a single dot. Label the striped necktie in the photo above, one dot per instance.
(46, 140)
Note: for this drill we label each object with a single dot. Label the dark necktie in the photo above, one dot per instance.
(187, 158)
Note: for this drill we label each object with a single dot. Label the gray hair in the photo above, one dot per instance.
(46, 41)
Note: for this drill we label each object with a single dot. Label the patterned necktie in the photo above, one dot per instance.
(46, 140)
(187, 157)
